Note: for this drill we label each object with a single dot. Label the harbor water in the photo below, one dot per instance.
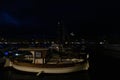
(12, 74)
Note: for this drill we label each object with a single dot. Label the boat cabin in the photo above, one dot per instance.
(47, 56)
(37, 55)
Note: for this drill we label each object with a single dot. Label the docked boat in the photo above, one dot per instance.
(43, 60)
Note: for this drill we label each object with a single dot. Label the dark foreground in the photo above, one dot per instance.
(12, 74)
(108, 64)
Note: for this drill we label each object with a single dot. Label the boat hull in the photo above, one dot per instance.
(77, 67)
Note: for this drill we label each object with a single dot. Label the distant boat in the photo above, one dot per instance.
(40, 61)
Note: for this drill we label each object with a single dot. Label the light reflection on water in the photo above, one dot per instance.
(12, 74)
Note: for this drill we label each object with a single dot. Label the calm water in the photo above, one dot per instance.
(108, 62)
(12, 74)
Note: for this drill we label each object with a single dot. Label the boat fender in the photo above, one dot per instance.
(39, 73)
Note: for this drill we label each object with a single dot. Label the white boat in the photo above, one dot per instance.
(38, 62)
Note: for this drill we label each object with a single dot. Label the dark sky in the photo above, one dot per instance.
(108, 18)
(43, 16)
(40, 17)
(83, 17)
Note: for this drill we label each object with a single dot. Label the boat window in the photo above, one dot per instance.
(38, 54)
(24, 56)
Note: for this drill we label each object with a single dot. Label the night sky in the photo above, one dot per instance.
(108, 19)
(40, 17)
(43, 16)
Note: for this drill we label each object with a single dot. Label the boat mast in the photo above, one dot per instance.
(61, 38)
(61, 33)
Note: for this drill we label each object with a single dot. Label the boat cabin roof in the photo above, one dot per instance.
(33, 49)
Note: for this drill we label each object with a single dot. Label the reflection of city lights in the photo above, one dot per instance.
(58, 22)
(66, 42)
(101, 42)
(16, 54)
(6, 53)
(45, 42)
(6, 42)
(77, 42)
(36, 42)
(87, 56)
(72, 34)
